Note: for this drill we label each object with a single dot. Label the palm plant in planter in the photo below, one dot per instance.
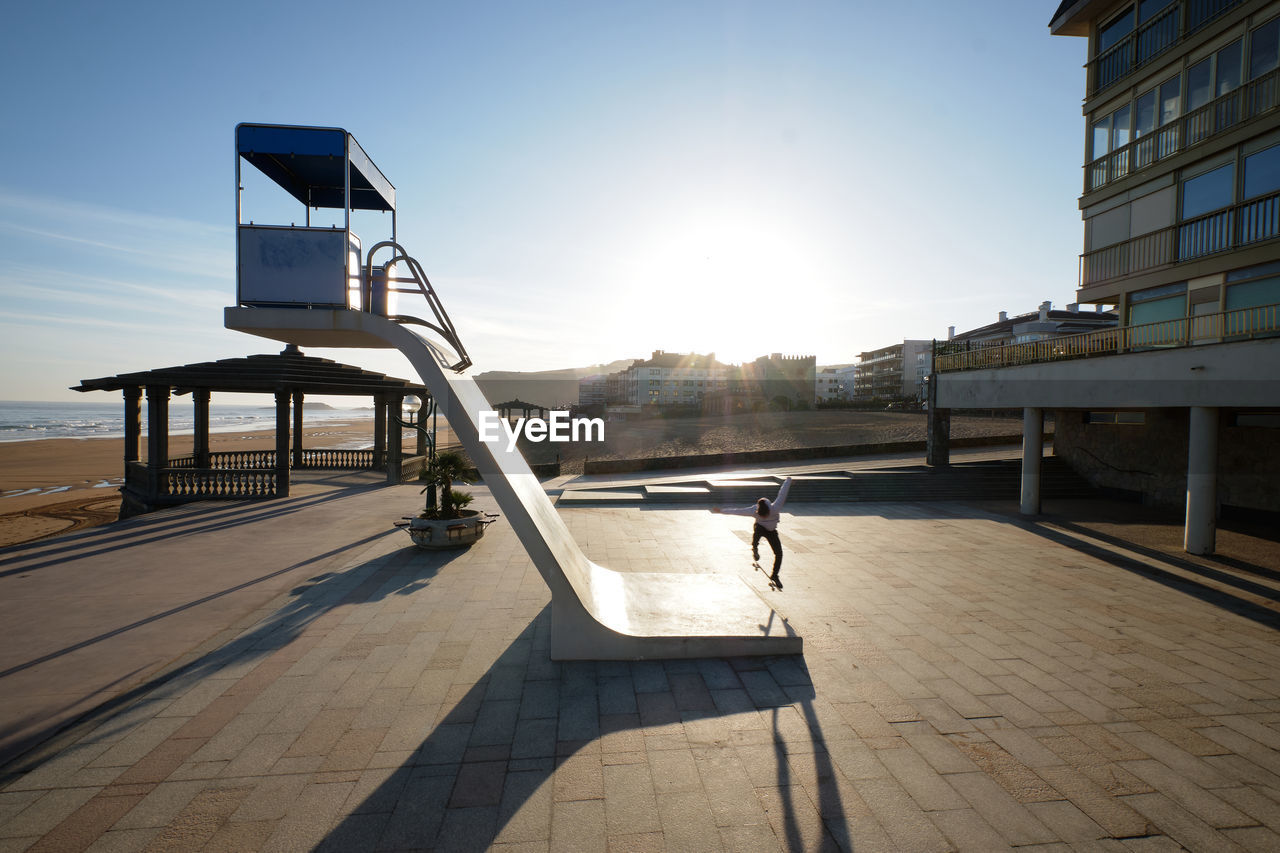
(440, 473)
(445, 524)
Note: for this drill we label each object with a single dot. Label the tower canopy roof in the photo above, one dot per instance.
(310, 163)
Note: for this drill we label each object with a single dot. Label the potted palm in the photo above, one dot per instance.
(444, 522)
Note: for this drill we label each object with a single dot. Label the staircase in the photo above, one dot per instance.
(969, 481)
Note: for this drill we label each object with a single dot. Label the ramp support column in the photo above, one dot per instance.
(1032, 451)
(1202, 481)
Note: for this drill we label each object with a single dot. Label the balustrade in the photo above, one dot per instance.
(1223, 326)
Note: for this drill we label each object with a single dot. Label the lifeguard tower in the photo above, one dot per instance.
(316, 286)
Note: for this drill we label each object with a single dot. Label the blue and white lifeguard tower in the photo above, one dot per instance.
(325, 267)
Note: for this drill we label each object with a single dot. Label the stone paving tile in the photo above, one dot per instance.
(967, 684)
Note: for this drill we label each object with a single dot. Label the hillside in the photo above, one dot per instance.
(555, 389)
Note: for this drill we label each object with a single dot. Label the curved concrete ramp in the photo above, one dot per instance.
(596, 613)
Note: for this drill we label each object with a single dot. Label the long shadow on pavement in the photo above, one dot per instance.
(307, 602)
(641, 738)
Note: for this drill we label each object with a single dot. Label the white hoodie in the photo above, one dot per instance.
(769, 521)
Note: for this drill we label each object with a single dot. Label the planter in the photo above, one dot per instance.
(437, 533)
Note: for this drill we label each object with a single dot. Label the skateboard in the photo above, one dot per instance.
(773, 585)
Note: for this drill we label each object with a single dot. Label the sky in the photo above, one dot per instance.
(581, 181)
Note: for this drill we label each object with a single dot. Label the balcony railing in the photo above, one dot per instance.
(1242, 224)
(1224, 326)
(1238, 106)
(1152, 38)
(315, 458)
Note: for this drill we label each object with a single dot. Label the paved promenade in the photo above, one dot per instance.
(294, 675)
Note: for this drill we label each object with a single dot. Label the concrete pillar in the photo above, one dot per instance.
(1032, 451)
(200, 400)
(1202, 481)
(938, 438)
(132, 423)
(379, 430)
(297, 429)
(282, 444)
(157, 426)
(395, 438)
(420, 435)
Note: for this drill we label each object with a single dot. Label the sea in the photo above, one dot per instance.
(25, 421)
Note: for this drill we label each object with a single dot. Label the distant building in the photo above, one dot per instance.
(776, 377)
(668, 379)
(593, 390)
(827, 387)
(892, 373)
(1042, 324)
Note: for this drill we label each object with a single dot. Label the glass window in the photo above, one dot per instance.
(1113, 33)
(1120, 127)
(1262, 172)
(1200, 84)
(1229, 67)
(1170, 97)
(1147, 9)
(1264, 48)
(1158, 310)
(1265, 291)
(1209, 191)
(1101, 137)
(1144, 120)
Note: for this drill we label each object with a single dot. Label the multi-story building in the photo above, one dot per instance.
(892, 373)
(669, 379)
(593, 390)
(1181, 209)
(1042, 324)
(827, 387)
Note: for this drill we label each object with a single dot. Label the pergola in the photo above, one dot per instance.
(237, 475)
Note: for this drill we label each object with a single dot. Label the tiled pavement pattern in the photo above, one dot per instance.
(968, 683)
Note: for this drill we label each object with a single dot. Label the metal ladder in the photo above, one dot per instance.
(443, 325)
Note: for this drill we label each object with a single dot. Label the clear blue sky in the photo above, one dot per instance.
(582, 181)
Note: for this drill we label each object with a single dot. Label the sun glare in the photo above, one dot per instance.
(726, 281)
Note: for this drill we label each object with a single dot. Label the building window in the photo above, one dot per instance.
(1158, 304)
(1264, 48)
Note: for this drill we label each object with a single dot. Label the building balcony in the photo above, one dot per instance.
(1150, 40)
(1239, 225)
(1242, 324)
(1236, 108)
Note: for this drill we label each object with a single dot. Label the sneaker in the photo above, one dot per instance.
(755, 555)
(777, 581)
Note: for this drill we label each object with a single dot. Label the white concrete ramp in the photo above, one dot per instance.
(596, 613)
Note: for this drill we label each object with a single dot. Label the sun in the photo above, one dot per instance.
(722, 280)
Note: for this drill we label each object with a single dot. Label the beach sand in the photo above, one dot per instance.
(75, 482)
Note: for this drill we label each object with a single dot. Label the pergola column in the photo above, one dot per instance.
(157, 426)
(282, 444)
(1200, 534)
(297, 429)
(379, 430)
(1032, 453)
(132, 423)
(200, 399)
(395, 438)
(420, 434)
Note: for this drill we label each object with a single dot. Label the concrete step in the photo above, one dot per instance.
(991, 480)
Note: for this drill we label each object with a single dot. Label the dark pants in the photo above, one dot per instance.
(774, 542)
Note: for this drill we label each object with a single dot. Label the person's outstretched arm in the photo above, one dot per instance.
(782, 495)
(746, 510)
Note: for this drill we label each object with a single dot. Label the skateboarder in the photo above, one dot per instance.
(766, 514)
